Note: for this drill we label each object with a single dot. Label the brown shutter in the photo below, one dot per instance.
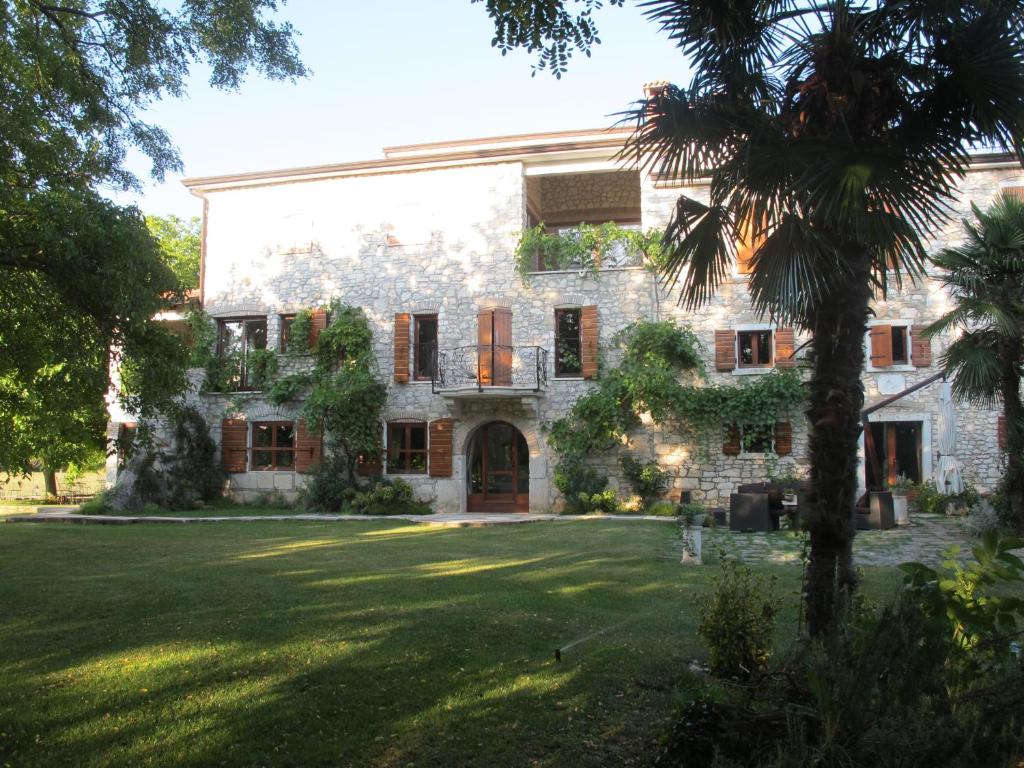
(920, 347)
(1001, 437)
(369, 466)
(725, 350)
(745, 248)
(319, 322)
(234, 442)
(484, 350)
(308, 444)
(731, 447)
(440, 450)
(785, 348)
(402, 347)
(588, 341)
(502, 347)
(881, 345)
(783, 438)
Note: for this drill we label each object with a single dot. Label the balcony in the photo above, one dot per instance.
(490, 370)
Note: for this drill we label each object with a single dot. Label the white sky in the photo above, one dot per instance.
(400, 72)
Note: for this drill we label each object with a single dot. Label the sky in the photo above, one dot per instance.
(399, 72)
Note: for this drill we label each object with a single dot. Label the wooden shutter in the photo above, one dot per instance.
(783, 438)
(402, 347)
(745, 248)
(731, 446)
(1001, 436)
(1016, 192)
(368, 466)
(485, 349)
(308, 444)
(920, 347)
(502, 347)
(234, 443)
(588, 341)
(785, 348)
(319, 322)
(725, 350)
(440, 450)
(881, 345)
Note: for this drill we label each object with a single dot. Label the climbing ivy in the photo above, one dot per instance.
(298, 333)
(661, 373)
(586, 247)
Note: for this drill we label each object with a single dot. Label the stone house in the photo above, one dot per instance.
(424, 240)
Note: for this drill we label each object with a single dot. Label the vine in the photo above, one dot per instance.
(586, 247)
(661, 373)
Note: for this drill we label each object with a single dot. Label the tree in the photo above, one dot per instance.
(985, 277)
(833, 136)
(81, 277)
(179, 240)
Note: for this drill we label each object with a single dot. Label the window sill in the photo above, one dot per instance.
(898, 368)
(420, 381)
(751, 371)
(567, 378)
(583, 270)
(406, 474)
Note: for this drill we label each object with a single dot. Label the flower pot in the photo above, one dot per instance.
(899, 510)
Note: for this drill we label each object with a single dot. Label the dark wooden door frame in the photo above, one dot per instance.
(496, 502)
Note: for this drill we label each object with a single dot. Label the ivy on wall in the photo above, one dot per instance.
(661, 373)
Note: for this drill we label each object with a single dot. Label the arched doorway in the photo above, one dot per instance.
(498, 476)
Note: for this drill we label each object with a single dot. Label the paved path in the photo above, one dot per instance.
(924, 540)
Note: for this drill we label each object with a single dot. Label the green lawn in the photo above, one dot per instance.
(362, 644)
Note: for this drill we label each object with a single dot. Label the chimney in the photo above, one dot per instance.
(655, 88)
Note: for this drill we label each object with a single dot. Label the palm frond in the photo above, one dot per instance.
(698, 242)
(973, 362)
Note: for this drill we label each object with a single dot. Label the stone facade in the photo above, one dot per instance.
(440, 238)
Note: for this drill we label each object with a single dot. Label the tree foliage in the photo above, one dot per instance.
(831, 137)
(75, 79)
(985, 278)
(179, 241)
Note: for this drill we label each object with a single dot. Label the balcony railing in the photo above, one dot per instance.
(490, 367)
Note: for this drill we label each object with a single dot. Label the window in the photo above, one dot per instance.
(286, 329)
(235, 340)
(568, 342)
(899, 345)
(407, 448)
(273, 445)
(425, 348)
(755, 349)
(756, 439)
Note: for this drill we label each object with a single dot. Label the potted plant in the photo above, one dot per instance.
(900, 489)
(691, 518)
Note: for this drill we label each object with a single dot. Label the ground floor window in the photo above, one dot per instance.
(407, 448)
(273, 445)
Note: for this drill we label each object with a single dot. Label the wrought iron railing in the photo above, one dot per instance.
(485, 366)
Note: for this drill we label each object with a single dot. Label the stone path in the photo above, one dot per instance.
(924, 540)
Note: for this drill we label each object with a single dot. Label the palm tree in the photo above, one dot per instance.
(837, 131)
(985, 277)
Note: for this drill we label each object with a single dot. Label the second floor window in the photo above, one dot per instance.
(286, 328)
(755, 349)
(235, 340)
(568, 343)
(425, 349)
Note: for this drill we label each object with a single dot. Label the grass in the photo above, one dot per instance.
(356, 644)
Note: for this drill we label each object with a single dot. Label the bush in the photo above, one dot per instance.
(737, 621)
(573, 477)
(647, 480)
(931, 501)
(602, 502)
(663, 509)
(328, 488)
(388, 497)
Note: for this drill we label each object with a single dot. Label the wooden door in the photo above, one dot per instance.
(499, 476)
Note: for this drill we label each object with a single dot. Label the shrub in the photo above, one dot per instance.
(328, 488)
(574, 477)
(691, 513)
(932, 501)
(389, 497)
(604, 502)
(648, 480)
(663, 509)
(737, 621)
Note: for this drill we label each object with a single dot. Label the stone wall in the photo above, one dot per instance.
(571, 198)
(443, 241)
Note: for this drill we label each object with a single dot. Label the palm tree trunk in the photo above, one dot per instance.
(1010, 353)
(836, 399)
